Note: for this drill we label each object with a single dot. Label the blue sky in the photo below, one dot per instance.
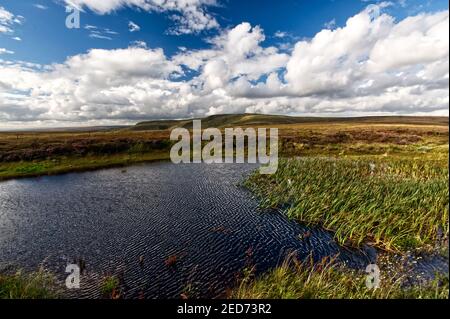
(47, 40)
(193, 42)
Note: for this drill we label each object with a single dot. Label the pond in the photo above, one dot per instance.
(163, 229)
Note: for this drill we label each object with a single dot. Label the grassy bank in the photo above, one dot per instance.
(43, 285)
(66, 164)
(46, 153)
(394, 204)
(325, 280)
(37, 285)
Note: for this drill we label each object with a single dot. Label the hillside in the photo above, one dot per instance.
(233, 120)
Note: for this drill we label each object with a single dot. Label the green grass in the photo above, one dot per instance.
(37, 285)
(65, 164)
(109, 287)
(394, 204)
(325, 280)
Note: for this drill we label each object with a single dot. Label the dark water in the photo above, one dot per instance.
(111, 218)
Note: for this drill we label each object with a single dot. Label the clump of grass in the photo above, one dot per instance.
(110, 287)
(37, 285)
(30, 168)
(329, 281)
(393, 204)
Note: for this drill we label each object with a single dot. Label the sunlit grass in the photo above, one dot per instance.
(294, 280)
(37, 285)
(393, 204)
(67, 164)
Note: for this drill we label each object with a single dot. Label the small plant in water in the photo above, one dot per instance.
(171, 261)
(110, 287)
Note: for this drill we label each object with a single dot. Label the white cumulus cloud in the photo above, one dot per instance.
(372, 65)
(8, 20)
(190, 16)
(6, 51)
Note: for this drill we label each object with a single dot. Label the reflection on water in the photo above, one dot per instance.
(130, 223)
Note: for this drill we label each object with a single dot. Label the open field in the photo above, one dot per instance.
(40, 153)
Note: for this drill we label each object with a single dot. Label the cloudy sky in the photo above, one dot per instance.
(133, 60)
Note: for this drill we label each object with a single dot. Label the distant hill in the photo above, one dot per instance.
(234, 120)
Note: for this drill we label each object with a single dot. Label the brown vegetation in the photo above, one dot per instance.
(37, 153)
(35, 146)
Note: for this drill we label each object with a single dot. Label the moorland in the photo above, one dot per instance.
(378, 181)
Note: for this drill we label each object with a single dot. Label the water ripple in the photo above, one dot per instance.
(129, 224)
